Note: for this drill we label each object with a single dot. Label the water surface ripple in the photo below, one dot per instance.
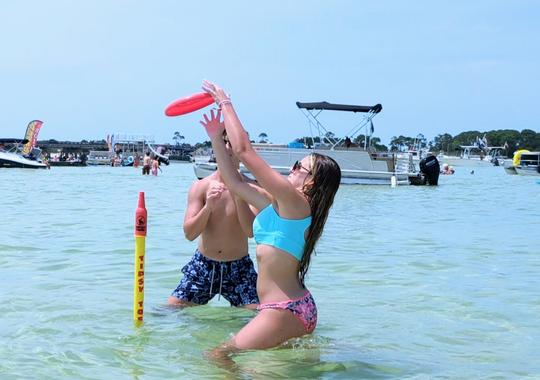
(411, 282)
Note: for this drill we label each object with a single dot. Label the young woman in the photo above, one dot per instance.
(291, 217)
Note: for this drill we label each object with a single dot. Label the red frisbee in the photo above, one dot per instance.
(189, 104)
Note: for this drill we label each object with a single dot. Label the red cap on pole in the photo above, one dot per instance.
(140, 216)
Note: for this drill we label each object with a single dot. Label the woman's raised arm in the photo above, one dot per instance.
(229, 172)
(268, 178)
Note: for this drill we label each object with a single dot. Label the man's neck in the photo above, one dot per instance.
(218, 176)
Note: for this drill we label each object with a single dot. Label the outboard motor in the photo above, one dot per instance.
(430, 168)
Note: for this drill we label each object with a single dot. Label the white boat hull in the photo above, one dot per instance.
(203, 170)
(357, 166)
(527, 170)
(13, 160)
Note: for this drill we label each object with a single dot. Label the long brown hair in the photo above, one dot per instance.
(320, 190)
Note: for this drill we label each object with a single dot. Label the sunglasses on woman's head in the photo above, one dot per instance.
(298, 165)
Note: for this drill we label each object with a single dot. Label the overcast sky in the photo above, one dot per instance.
(92, 68)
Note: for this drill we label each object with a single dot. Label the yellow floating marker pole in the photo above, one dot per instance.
(138, 273)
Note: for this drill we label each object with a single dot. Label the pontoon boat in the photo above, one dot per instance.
(359, 165)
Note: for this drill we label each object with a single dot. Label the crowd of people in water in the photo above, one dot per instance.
(65, 157)
(150, 163)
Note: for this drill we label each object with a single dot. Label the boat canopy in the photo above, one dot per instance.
(312, 110)
(13, 141)
(339, 107)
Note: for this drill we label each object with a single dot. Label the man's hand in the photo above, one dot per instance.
(213, 195)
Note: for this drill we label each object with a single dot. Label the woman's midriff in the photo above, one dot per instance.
(278, 275)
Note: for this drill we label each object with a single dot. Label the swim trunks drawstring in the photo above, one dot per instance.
(220, 278)
(212, 279)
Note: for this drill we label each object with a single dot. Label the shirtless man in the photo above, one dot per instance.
(221, 264)
(146, 164)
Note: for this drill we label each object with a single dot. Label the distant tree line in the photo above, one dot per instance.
(510, 139)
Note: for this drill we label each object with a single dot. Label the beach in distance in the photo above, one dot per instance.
(410, 282)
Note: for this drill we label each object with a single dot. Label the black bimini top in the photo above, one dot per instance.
(339, 107)
(13, 141)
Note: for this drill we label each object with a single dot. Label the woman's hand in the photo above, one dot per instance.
(215, 91)
(214, 127)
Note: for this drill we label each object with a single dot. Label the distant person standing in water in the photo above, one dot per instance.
(45, 160)
(146, 164)
(155, 166)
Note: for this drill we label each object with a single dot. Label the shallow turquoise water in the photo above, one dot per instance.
(411, 282)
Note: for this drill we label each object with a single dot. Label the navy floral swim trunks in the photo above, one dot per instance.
(204, 278)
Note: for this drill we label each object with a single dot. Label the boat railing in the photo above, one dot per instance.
(404, 163)
(273, 148)
(529, 159)
(353, 148)
(379, 155)
(312, 111)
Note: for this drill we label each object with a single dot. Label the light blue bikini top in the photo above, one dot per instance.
(286, 234)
